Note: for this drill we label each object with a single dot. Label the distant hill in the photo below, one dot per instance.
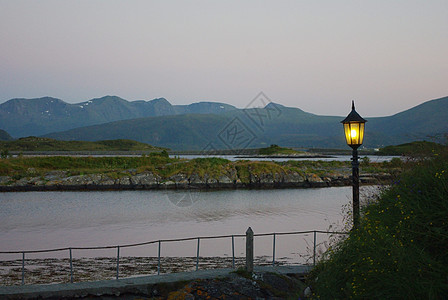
(33, 143)
(413, 149)
(418, 123)
(191, 130)
(4, 136)
(261, 127)
(204, 108)
(209, 124)
(35, 117)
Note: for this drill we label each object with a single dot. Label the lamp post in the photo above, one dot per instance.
(354, 134)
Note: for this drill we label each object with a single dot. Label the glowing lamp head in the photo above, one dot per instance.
(354, 128)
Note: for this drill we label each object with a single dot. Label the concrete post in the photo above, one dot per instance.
(249, 250)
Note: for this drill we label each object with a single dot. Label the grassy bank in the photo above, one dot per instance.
(33, 143)
(419, 148)
(400, 249)
(275, 149)
(163, 166)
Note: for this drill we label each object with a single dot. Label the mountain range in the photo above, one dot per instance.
(210, 125)
(34, 117)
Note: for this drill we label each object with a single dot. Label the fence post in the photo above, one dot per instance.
(23, 268)
(71, 265)
(158, 264)
(118, 261)
(273, 251)
(314, 249)
(197, 257)
(249, 250)
(233, 252)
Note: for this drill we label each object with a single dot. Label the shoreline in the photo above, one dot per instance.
(309, 182)
(285, 156)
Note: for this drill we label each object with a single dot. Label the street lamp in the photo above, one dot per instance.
(354, 134)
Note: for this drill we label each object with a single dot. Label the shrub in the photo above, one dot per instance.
(4, 154)
(399, 250)
(365, 161)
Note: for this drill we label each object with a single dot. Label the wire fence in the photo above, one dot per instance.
(160, 242)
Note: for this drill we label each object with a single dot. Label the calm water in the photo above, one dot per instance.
(43, 220)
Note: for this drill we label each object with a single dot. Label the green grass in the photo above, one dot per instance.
(400, 248)
(246, 169)
(159, 163)
(411, 149)
(32, 166)
(275, 149)
(46, 144)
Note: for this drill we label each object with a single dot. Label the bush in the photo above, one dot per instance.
(4, 154)
(399, 250)
(365, 161)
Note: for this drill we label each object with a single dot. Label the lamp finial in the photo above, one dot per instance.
(353, 104)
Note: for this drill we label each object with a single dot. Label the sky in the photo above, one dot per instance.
(386, 55)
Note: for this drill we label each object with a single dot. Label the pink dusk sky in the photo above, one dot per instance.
(315, 55)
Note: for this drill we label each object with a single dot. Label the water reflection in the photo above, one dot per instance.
(42, 220)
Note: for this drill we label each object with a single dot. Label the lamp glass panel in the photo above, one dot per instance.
(361, 132)
(347, 133)
(354, 133)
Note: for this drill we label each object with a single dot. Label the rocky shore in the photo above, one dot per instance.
(133, 180)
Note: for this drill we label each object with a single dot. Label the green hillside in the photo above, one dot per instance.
(422, 122)
(174, 132)
(412, 149)
(213, 125)
(47, 144)
(253, 128)
(261, 127)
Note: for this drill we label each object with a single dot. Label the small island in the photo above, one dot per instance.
(157, 170)
(275, 151)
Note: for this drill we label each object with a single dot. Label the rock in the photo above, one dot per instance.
(123, 181)
(5, 179)
(266, 179)
(212, 182)
(55, 175)
(194, 179)
(313, 178)
(293, 178)
(223, 179)
(260, 286)
(53, 183)
(145, 179)
(76, 180)
(307, 292)
(180, 180)
(106, 180)
(278, 178)
(232, 174)
(36, 181)
(21, 182)
(168, 184)
(31, 171)
(95, 178)
(228, 178)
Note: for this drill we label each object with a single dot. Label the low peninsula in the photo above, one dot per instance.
(158, 170)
